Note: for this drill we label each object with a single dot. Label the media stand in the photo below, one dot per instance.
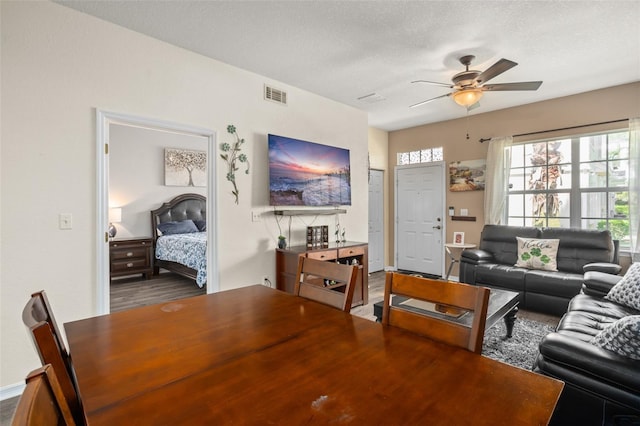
(347, 252)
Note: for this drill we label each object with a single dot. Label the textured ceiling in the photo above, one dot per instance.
(344, 50)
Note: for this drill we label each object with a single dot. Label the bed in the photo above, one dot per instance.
(179, 235)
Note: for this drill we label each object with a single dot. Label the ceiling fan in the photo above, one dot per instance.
(469, 85)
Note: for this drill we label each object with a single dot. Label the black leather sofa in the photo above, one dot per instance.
(579, 251)
(591, 373)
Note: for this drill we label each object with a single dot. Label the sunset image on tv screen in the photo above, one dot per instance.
(308, 174)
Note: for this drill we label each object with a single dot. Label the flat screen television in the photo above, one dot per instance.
(305, 173)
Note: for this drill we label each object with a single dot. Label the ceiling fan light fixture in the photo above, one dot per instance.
(467, 97)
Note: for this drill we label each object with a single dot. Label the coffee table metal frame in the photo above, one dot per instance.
(502, 304)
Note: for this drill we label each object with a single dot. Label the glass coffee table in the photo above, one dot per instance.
(503, 304)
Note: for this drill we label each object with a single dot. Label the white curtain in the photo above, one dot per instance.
(634, 187)
(497, 180)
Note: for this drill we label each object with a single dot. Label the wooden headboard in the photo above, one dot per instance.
(182, 207)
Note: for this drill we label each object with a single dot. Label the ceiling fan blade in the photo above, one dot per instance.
(434, 83)
(429, 100)
(494, 70)
(525, 85)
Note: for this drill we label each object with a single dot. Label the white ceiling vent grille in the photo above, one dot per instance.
(275, 95)
(372, 98)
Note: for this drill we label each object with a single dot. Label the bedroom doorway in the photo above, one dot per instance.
(131, 178)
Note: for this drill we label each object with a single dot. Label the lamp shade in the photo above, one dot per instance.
(467, 97)
(115, 215)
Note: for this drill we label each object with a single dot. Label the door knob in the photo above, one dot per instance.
(437, 227)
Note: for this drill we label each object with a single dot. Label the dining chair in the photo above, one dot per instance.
(37, 316)
(42, 402)
(39, 309)
(326, 282)
(444, 299)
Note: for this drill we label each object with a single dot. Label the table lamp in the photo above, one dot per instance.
(115, 216)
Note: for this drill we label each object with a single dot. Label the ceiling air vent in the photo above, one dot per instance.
(372, 98)
(275, 95)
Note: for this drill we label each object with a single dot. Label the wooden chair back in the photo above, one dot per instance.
(447, 296)
(39, 309)
(42, 403)
(326, 282)
(38, 318)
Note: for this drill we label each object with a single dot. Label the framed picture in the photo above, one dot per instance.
(458, 238)
(185, 168)
(467, 175)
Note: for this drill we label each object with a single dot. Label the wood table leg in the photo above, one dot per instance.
(509, 321)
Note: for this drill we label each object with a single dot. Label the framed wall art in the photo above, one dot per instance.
(184, 167)
(467, 175)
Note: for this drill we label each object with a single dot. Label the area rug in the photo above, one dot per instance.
(520, 350)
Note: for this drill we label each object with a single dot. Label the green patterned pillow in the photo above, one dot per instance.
(534, 253)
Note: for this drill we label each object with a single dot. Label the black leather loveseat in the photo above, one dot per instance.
(492, 264)
(608, 380)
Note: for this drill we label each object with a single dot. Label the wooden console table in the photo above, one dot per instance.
(287, 264)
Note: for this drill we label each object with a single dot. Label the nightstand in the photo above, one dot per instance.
(131, 256)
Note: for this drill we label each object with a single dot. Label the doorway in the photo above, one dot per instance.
(420, 220)
(105, 122)
(376, 221)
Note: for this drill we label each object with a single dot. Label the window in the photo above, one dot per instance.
(580, 182)
(423, 156)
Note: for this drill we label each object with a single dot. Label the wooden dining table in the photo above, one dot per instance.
(256, 355)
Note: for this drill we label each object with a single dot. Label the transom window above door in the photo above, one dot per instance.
(426, 155)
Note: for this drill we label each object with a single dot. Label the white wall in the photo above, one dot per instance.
(136, 174)
(58, 66)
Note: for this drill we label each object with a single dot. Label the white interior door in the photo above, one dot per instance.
(420, 224)
(376, 221)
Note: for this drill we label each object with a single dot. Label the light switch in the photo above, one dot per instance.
(65, 221)
(464, 212)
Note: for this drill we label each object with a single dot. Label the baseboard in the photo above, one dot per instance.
(11, 391)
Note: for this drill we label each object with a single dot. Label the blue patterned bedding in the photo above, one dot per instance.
(187, 249)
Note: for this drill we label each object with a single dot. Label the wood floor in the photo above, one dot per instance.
(133, 292)
(128, 293)
(376, 294)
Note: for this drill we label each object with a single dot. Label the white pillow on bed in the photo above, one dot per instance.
(182, 227)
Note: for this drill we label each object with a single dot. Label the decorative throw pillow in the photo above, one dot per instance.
(621, 337)
(182, 227)
(201, 224)
(627, 290)
(534, 253)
